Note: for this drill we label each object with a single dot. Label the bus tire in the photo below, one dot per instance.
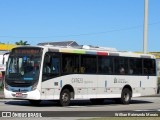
(35, 102)
(126, 96)
(65, 97)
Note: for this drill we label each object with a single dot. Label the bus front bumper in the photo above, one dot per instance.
(33, 95)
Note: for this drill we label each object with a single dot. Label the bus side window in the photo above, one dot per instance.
(135, 66)
(105, 65)
(70, 63)
(122, 70)
(55, 66)
(121, 66)
(82, 70)
(46, 65)
(149, 67)
(89, 62)
(51, 66)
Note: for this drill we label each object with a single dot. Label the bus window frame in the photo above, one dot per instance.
(127, 59)
(57, 55)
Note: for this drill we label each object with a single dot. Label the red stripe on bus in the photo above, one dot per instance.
(102, 53)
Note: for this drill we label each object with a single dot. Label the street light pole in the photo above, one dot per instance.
(145, 45)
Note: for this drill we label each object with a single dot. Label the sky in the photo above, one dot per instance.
(109, 23)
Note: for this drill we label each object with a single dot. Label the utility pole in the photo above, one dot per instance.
(145, 44)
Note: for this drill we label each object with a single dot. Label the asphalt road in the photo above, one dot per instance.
(82, 108)
(140, 103)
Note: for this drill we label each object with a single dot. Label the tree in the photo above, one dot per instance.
(21, 42)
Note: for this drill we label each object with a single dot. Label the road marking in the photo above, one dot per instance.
(76, 106)
(148, 110)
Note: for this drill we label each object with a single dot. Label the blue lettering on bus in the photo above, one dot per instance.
(28, 78)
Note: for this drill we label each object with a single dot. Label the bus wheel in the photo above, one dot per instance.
(35, 102)
(126, 96)
(65, 97)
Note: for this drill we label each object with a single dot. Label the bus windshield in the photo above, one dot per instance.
(24, 64)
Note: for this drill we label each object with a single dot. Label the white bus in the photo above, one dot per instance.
(63, 74)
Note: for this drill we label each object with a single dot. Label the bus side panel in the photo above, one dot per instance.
(85, 86)
(99, 86)
(110, 86)
(148, 85)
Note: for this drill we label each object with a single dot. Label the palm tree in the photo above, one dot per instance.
(21, 42)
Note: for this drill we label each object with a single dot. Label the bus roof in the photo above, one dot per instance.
(92, 50)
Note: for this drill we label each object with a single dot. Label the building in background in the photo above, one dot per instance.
(7, 47)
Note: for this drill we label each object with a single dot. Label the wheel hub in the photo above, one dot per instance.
(126, 96)
(65, 97)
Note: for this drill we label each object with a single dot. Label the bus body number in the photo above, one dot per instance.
(77, 80)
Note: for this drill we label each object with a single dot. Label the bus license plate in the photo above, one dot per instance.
(18, 94)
